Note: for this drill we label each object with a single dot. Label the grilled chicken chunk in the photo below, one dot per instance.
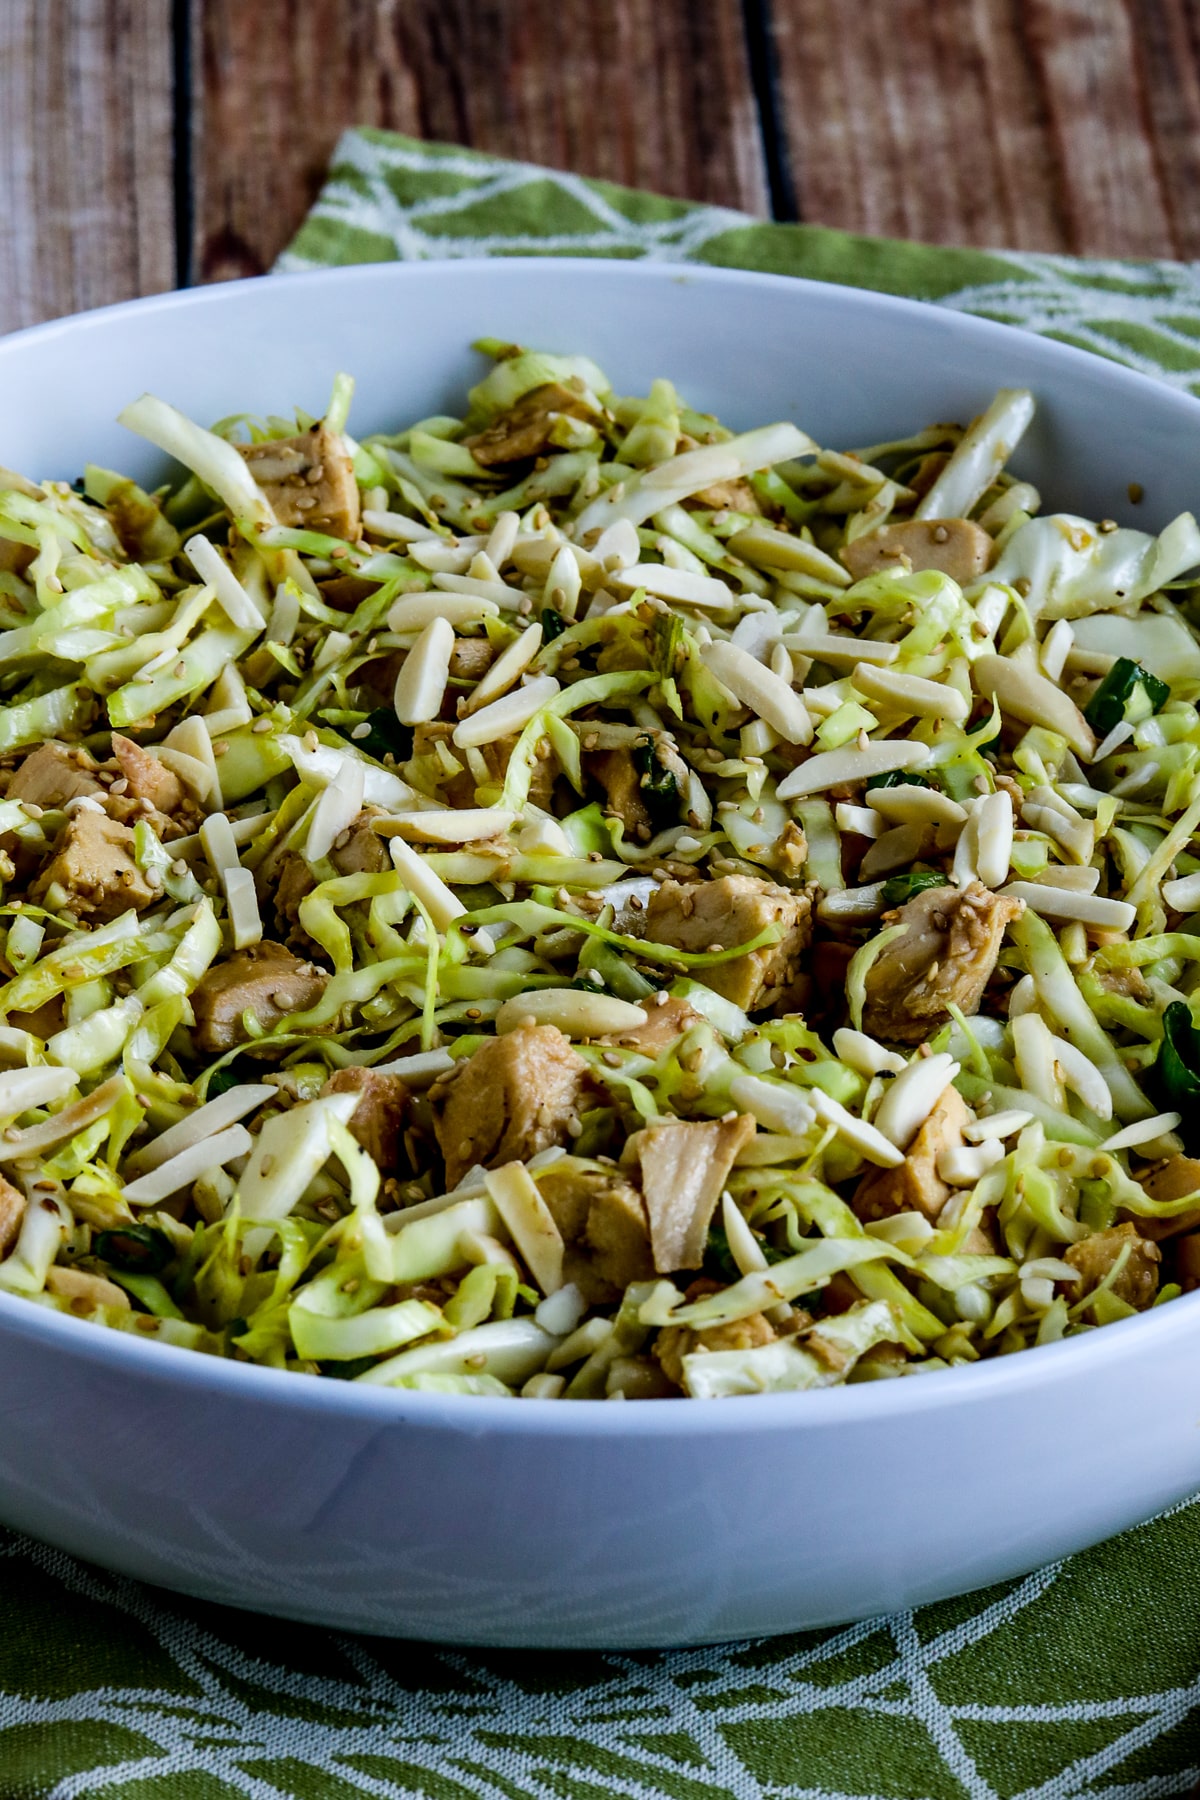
(951, 941)
(384, 1109)
(1172, 1179)
(517, 1095)
(525, 429)
(915, 1185)
(266, 981)
(309, 481)
(958, 547)
(12, 1214)
(1094, 1256)
(148, 778)
(94, 863)
(684, 1168)
(52, 775)
(602, 1220)
(731, 911)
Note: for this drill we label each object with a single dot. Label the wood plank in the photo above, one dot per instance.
(86, 204)
(1068, 125)
(654, 93)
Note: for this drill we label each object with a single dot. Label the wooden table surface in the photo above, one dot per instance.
(146, 144)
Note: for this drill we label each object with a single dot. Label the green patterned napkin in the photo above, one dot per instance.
(1080, 1681)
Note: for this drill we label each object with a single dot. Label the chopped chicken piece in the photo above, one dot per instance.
(471, 658)
(948, 951)
(309, 481)
(735, 495)
(1187, 1262)
(52, 775)
(44, 1021)
(15, 558)
(958, 547)
(292, 881)
(645, 800)
(637, 1378)
(915, 1186)
(729, 496)
(459, 790)
(345, 592)
(363, 852)
(674, 1342)
(684, 1168)
(94, 863)
(524, 430)
(602, 1220)
(357, 851)
(1130, 984)
(84, 1290)
(266, 981)
(516, 1095)
(383, 1112)
(1094, 1256)
(728, 912)
(12, 1213)
(148, 778)
(663, 1025)
(1172, 1179)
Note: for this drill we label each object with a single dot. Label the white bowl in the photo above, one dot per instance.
(533, 1522)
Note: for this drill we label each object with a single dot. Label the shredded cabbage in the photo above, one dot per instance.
(506, 1052)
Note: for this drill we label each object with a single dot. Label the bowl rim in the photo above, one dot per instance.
(200, 1374)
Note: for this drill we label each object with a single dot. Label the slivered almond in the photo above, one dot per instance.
(829, 768)
(770, 548)
(205, 1122)
(1061, 903)
(421, 683)
(454, 824)
(396, 526)
(759, 688)
(911, 693)
(507, 668)
(832, 647)
(503, 536)
(212, 568)
(242, 902)
(425, 885)
(180, 1171)
(564, 582)
(675, 584)
(1025, 694)
(576, 1014)
(497, 591)
(910, 805)
(412, 612)
(506, 715)
(337, 808)
(912, 1096)
(219, 843)
(862, 1137)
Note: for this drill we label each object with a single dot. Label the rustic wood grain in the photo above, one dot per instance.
(654, 93)
(86, 204)
(1069, 125)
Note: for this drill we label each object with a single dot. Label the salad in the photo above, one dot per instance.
(573, 901)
